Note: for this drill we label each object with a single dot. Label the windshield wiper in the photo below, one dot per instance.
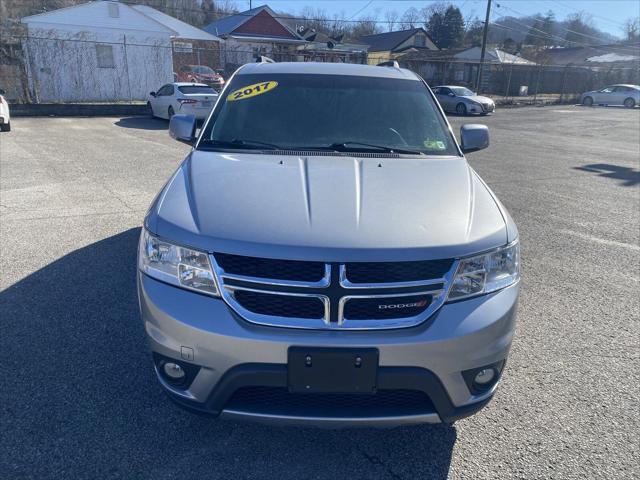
(344, 146)
(241, 143)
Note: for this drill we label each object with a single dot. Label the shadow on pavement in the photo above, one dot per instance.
(628, 176)
(143, 123)
(79, 398)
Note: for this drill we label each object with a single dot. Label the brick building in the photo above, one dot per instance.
(255, 32)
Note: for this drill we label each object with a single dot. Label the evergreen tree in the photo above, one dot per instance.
(548, 27)
(446, 28)
(510, 46)
(453, 28)
(435, 28)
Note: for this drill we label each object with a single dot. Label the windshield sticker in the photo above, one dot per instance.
(435, 145)
(251, 90)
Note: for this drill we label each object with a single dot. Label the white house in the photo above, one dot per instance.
(101, 51)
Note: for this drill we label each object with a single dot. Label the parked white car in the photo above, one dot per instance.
(5, 117)
(627, 95)
(195, 99)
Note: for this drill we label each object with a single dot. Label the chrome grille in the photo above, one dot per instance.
(316, 295)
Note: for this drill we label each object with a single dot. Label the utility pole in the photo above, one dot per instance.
(484, 46)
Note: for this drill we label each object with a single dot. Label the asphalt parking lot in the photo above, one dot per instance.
(78, 397)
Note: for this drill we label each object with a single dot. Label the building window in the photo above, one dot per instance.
(419, 41)
(104, 54)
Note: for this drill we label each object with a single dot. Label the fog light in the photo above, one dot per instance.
(482, 379)
(174, 371)
(484, 376)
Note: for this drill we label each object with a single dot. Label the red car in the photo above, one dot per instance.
(200, 74)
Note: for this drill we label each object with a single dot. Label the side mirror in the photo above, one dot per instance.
(2, 92)
(474, 137)
(183, 128)
(451, 94)
(153, 94)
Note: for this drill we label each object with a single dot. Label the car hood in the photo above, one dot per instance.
(330, 208)
(479, 99)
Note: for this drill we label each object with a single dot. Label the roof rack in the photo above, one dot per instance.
(263, 59)
(389, 63)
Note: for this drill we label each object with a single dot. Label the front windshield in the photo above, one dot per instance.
(328, 112)
(202, 69)
(462, 92)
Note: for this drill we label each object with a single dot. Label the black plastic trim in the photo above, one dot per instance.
(275, 375)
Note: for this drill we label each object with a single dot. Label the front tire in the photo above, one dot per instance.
(587, 101)
(170, 112)
(629, 103)
(461, 109)
(5, 127)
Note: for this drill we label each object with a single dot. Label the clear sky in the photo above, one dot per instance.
(608, 15)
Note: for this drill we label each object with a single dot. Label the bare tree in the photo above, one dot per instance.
(411, 18)
(631, 29)
(314, 18)
(365, 26)
(391, 17)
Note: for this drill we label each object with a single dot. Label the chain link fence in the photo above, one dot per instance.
(524, 83)
(42, 69)
(124, 69)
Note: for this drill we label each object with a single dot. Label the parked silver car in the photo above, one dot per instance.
(463, 101)
(627, 95)
(325, 255)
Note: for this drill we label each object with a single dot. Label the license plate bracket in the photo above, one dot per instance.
(332, 370)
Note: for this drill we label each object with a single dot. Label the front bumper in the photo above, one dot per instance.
(488, 107)
(232, 353)
(481, 108)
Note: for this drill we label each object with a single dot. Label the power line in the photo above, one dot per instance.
(623, 48)
(287, 17)
(361, 10)
(224, 50)
(559, 26)
(549, 36)
(621, 24)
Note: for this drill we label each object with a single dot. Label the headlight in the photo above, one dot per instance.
(486, 273)
(176, 265)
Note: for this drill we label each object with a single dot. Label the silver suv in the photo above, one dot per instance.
(325, 255)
